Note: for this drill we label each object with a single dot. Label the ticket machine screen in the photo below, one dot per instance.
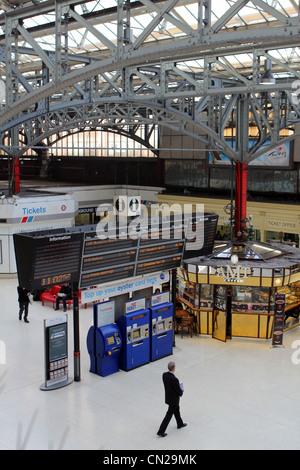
(160, 326)
(136, 333)
(110, 340)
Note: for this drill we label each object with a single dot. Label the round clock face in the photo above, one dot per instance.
(234, 259)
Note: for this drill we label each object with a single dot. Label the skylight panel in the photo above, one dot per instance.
(186, 15)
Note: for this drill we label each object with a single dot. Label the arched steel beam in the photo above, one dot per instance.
(162, 116)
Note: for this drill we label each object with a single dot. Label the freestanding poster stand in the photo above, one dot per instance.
(279, 313)
(56, 353)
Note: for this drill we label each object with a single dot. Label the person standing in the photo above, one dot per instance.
(173, 392)
(23, 299)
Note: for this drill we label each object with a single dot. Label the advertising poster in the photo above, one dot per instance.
(278, 320)
(56, 353)
(278, 157)
(220, 298)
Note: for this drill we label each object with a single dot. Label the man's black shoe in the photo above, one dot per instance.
(182, 426)
(162, 434)
(25, 320)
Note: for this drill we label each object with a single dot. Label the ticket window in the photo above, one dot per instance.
(289, 238)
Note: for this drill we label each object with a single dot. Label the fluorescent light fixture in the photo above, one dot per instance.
(268, 78)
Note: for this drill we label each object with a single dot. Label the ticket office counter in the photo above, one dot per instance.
(247, 310)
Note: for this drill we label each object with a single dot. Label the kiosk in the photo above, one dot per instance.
(104, 341)
(135, 327)
(162, 326)
(232, 293)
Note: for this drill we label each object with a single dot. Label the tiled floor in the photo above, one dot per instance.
(238, 395)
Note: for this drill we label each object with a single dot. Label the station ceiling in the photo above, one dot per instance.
(103, 15)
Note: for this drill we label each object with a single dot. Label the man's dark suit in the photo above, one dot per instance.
(173, 393)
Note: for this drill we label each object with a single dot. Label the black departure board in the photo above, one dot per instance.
(93, 245)
(203, 231)
(118, 258)
(46, 260)
(107, 275)
(158, 236)
(162, 250)
(108, 260)
(155, 266)
(79, 255)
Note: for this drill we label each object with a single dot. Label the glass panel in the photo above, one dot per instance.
(250, 299)
(219, 325)
(207, 295)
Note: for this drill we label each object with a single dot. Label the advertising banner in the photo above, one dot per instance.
(278, 320)
(56, 353)
(112, 289)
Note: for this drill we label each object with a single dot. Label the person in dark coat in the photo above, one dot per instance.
(173, 392)
(62, 295)
(23, 299)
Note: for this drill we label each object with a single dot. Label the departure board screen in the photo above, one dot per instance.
(94, 245)
(106, 275)
(108, 260)
(162, 250)
(201, 236)
(57, 260)
(79, 255)
(54, 258)
(158, 265)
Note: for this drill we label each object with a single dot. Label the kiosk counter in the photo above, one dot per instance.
(232, 292)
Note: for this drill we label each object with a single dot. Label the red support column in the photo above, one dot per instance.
(16, 175)
(240, 199)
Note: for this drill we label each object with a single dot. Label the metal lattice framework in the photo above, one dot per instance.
(145, 63)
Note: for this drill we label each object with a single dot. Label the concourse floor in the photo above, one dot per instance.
(238, 395)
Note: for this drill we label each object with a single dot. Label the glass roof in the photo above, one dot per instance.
(81, 41)
(246, 251)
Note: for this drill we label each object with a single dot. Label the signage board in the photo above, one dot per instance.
(220, 298)
(160, 298)
(104, 313)
(129, 253)
(125, 286)
(139, 248)
(135, 305)
(46, 259)
(205, 227)
(279, 312)
(56, 353)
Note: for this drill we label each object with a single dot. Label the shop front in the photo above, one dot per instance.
(232, 293)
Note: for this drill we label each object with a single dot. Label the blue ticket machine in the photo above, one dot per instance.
(90, 342)
(161, 330)
(108, 349)
(104, 341)
(104, 347)
(135, 333)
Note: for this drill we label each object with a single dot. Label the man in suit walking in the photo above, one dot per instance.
(173, 392)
